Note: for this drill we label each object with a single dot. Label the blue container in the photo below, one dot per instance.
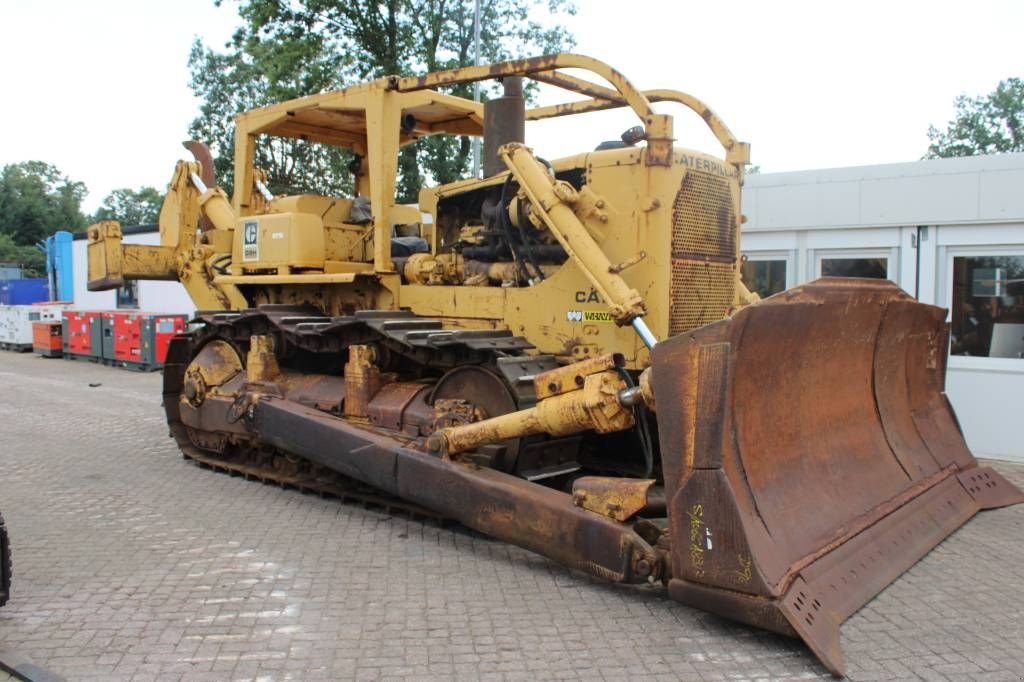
(24, 291)
(58, 266)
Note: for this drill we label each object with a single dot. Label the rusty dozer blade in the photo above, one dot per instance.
(811, 456)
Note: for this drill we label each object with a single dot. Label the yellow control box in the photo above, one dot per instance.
(278, 241)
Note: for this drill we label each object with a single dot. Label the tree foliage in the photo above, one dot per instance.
(254, 73)
(36, 200)
(291, 48)
(131, 207)
(29, 258)
(988, 124)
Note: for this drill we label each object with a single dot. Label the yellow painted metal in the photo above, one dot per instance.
(383, 115)
(574, 321)
(110, 263)
(572, 377)
(555, 199)
(310, 278)
(181, 254)
(214, 205)
(261, 362)
(737, 153)
(621, 228)
(362, 380)
(594, 406)
(616, 498)
(282, 241)
(530, 68)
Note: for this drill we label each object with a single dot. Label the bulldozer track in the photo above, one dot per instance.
(341, 489)
(413, 340)
(5, 563)
(421, 341)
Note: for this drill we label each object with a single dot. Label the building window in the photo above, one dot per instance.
(988, 306)
(128, 295)
(874, 268)
(764, 277)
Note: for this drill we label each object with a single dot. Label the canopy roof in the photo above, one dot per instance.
(340, 117)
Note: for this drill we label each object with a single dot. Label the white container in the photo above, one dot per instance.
(16, 322)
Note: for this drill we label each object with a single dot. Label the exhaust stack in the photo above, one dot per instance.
(504, 122)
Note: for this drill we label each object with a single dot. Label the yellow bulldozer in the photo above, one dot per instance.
(561, 355)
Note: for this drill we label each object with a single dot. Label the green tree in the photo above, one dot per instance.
(36, 200)
(29, 258)
(131, 207)
(988, 124)
(287, 49)
(252, 73)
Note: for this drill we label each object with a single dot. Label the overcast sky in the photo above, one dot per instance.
(100, 88)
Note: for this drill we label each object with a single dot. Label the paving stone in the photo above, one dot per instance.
(131, 564)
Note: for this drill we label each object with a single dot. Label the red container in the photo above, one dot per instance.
(165, 328)
(128, 337)
(47, 339)
(77, 334)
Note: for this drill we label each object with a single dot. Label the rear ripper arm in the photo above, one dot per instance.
(187, 253)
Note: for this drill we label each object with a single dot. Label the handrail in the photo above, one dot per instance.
(529, 67)
(736, 151)
(623, 93)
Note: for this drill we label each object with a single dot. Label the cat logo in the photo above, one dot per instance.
(250, 240)
(588, 296)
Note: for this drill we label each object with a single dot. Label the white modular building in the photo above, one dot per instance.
(948, 231)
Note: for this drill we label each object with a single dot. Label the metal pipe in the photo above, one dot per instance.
(198, 182)
(644, 332)
(267, 194)
(476, 85)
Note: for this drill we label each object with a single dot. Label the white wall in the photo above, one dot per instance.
(154, 297)
(967, 206)
(988, 403)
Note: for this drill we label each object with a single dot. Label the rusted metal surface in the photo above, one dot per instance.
(5, 563)
(489, 394)
(660, 136)
(572, 377)
(780, 509)
(616, 498)
(362, 380)
(529, 515)
(215, 364)
(387, 408)
(504, 121)
(261, 362)
(201, 152)
(816, 458)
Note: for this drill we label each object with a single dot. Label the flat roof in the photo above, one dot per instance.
(976, 189)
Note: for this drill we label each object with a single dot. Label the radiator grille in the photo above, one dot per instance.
(703, 219)
(703, 252)
(701, 294)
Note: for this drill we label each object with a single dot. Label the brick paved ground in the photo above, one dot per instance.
(132, 564)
